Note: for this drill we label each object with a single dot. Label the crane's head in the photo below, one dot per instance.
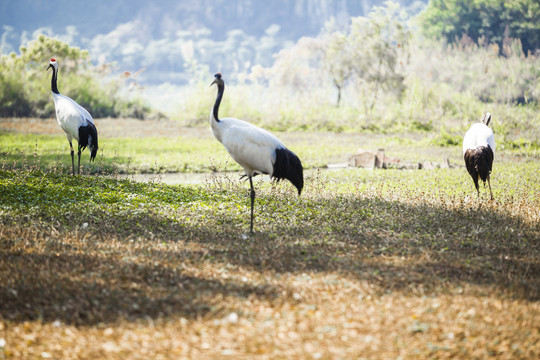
(52, 64)
(218, 80)
(92, 141)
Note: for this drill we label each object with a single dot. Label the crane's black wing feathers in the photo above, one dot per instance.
(479, 162)
(88, 136)
(288, 166)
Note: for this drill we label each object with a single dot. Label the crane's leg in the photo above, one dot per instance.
(72, 160)
(79, 161)
(477, 187)
(489, 184)
(252, 195)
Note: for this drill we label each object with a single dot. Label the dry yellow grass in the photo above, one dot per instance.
(184, 304)
(73, 294)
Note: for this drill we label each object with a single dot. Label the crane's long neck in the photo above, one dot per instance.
(221, 89)
(54, 87)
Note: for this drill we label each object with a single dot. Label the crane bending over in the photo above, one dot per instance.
(76, 122)
(255, 149)
(479, 151)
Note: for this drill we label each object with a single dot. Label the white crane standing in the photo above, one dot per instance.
(76, 122)
(255, 149)
(479, 151)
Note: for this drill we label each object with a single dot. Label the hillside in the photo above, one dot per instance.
(162, 36)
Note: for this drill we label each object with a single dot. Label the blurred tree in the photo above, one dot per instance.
(12, 98)
(336, 58)
(369, 54)
(493, 20)
(378, 44)
(298, 67)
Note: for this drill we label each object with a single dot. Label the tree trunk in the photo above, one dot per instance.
(338, 95)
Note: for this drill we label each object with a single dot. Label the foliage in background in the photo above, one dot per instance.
(480, 70)
(25, 87)
(380, 46)
(367, 56)
(485, 21)
(383, 79)
(444, 88)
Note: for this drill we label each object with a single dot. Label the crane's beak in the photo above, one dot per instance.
(213, 82)
(487, 118)
(48, 67)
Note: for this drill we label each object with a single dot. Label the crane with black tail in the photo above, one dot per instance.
(254, 148)
(75, 120)
(479, 151)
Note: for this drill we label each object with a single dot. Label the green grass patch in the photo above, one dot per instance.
(115, 155)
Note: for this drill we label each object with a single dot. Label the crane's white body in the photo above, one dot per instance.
(478, 135)
(479, 151)
(250, 146)
(75, 120)
(70, 116)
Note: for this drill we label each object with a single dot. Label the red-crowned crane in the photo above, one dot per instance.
(76, 122)
(255, 149)
(479, 151)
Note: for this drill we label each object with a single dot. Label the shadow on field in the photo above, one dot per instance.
(398, 246)
(87, 290)
(393, 247)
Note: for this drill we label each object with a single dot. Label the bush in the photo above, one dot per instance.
(479, 70)
(25, 86)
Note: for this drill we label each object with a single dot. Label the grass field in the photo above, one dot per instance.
(152, 147)
(365, 264)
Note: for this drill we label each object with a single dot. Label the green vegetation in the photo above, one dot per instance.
(25, 86)
(489, 21)
(385, 79)
(154, 147)
(119, 155)
(48, 196)
(383, 74)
